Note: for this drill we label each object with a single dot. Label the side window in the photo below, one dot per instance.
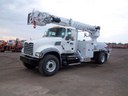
(69, 35)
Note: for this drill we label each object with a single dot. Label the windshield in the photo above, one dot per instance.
(56, 32)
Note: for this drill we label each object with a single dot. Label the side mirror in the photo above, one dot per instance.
(45, 34)
(68, 37)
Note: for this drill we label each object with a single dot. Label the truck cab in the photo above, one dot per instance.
(61, 39)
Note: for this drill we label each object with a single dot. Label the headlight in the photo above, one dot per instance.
(38, 54)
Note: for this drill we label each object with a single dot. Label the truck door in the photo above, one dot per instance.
(69, 43)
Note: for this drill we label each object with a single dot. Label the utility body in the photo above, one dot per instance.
(60, 45)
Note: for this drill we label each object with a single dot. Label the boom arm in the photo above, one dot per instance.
(43, 18)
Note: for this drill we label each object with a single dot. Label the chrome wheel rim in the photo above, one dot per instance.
(103, 59)
(51, 66)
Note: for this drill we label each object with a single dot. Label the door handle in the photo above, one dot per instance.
(71, 43)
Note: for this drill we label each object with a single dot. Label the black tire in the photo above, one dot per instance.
(49, 65)
(28, 66)
(101, 58)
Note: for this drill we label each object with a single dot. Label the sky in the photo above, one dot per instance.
(110, 15)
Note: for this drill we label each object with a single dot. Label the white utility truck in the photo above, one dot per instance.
(60, 45)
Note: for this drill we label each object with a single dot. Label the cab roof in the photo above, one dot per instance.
(63, 27)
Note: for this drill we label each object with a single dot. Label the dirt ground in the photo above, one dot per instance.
(110, 79)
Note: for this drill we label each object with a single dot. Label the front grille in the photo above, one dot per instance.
(28, 48)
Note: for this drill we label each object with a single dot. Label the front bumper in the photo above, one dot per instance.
(29, 60)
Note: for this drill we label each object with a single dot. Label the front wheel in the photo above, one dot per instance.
(49, 65)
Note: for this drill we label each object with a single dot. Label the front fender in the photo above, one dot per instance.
(46, 49)
(49, 50)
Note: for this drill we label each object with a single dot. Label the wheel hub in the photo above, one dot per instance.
(51, 66)
(102, 58)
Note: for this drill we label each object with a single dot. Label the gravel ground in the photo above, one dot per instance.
(110, 79)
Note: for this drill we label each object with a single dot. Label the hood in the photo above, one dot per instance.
(44, 41)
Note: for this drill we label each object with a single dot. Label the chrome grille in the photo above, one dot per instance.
(28, 48)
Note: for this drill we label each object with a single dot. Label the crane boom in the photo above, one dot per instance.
(43, 18)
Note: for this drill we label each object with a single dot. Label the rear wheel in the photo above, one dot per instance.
(101, 58)
(28, 66)
(49, 65)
